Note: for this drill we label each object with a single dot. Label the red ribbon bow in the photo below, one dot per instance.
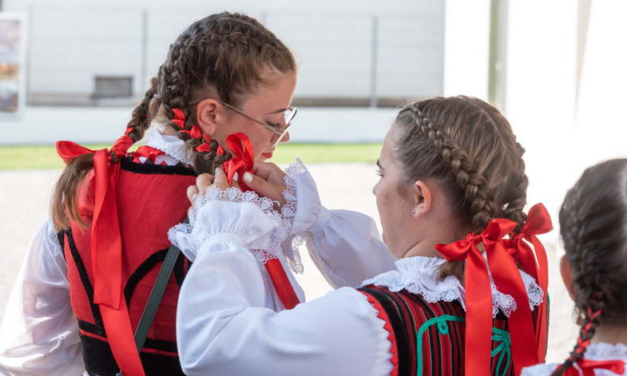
(587, 367)
(478, 292)
(106, 251)
(243, 158)
(508, 280)
(536, 264)
(479, 296)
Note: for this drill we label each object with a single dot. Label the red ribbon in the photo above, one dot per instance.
(243, 158)
(508, 280)
(587, 367)
(281, 283)
(478, 301)
(106, 252)
(536, 264)
(179, 118)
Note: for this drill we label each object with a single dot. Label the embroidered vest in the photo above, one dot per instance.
(428, 338)
(151, 199)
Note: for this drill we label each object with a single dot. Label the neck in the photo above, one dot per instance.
(426, 247)
(612, 334)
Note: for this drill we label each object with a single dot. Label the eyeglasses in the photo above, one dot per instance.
(276, 128)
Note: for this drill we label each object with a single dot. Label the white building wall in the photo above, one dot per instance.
(74, 41)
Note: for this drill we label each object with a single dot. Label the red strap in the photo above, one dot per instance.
(243, 158)
(478, 339)
(508, 280)
(588, 366)
(536, 264)
(281, 283)
(106, 253)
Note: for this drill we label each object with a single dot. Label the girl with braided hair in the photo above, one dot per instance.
(593, 219)
(466, 296)
(221, 98)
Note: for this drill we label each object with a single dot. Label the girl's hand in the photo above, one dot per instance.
(267, 180)
(206, 181)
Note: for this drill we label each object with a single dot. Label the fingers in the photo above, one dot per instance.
(203, 182)
(269, 172)
(192, 192)
(220, 180)
(264, 187)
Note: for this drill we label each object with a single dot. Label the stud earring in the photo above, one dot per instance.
(413, 213)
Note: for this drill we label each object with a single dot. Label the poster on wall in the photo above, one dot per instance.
(12, 64)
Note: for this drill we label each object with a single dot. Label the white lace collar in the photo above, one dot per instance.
(596, 351)
(171, 145)
(419, 275)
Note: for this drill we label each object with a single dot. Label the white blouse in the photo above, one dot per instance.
(224, 328)
(596, 351)
(39, 333)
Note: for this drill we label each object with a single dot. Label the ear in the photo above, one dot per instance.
(210, 114)
(567, 276)
(423, 198)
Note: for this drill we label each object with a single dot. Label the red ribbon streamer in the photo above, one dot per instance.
(243, 158)
(538, 222)
(508, 280)
(478, 301)
(281, 283)
(106, 252)
(587, 367)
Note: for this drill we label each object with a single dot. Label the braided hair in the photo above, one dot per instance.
(470, 148)
(593, 219)
(222, 56)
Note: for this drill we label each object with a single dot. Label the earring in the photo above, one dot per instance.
(413, 213)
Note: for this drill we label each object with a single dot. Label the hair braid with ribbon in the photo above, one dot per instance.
(222, 56)
(592, 222)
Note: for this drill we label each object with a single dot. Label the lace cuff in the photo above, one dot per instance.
(235, 216)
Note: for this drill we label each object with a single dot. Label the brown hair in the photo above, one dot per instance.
(469, 146)
(593, 226)
(223, 55)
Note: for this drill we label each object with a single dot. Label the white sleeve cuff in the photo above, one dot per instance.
(227, 216)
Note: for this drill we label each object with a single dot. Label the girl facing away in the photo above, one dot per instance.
(88, 274)
(593, 223)
(451, 200)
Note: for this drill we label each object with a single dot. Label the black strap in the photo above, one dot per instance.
(156, 295)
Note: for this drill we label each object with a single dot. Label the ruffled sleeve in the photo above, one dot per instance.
(39, 334)
(344, 245)
(228, 217)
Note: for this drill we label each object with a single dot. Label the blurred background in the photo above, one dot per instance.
(556, 68)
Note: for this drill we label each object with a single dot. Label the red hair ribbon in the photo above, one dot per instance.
(106, 252)
(243, 158)
(195, 132)
(179, 118)
(587, 367)
(478, 299)
(508, 280)
(536, 264)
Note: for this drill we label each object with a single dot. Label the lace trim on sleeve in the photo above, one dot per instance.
(230, 195)
(290, 244)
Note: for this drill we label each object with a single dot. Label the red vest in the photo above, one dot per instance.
(151, 199)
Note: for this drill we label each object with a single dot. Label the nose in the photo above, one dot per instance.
(285, 138)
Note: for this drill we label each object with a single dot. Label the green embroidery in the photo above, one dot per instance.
(503, 350)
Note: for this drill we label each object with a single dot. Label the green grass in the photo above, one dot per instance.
(45, 157)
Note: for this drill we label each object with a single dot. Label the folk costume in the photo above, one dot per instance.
(406, 321)
(80, 293)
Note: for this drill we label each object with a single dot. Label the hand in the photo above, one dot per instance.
(206, 181)
(267, 179)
